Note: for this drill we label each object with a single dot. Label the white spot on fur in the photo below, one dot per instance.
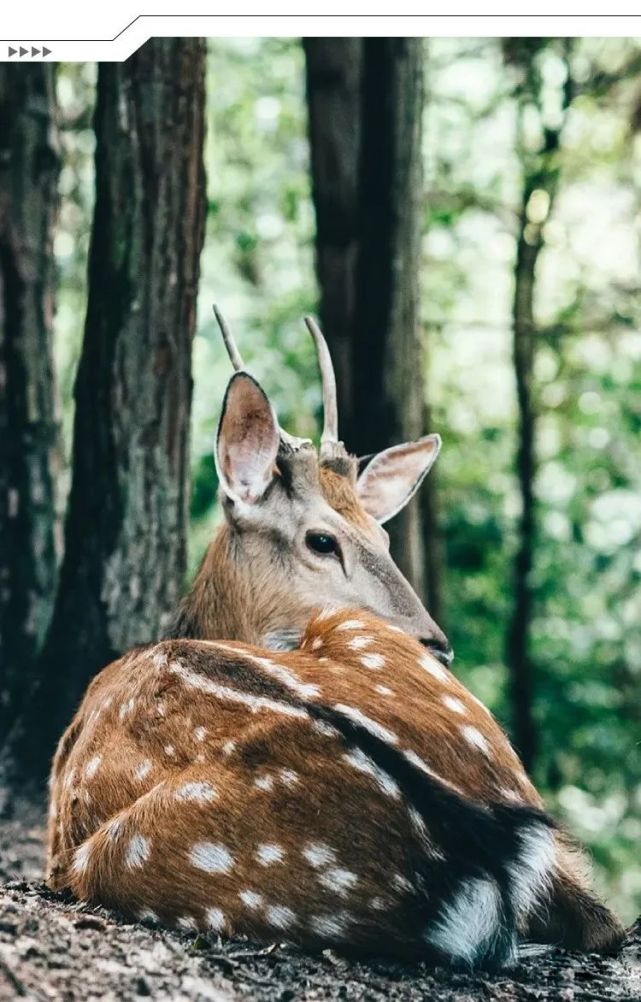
(200, 733)
(212, 857)
(92, 766)
(417, 821)
(280, 916)
(384, 690)
(225, 692)
(288, 777)
(454, 704)
(143, 769)
(137, 852)
(378, 904)
(469, 922)
(81, 858)
(269, 853)
(474, 737)
(332, 925)
(512, 795)
(530, 871)
(370, 725)
(264, 782)
(326, 613)
(187, 923)
(351, 624)
(229, 747)
(322, 727)
(402, 883)
(170, 751)
(416, 760)
(159, 659)
(251, 899)
(364, 763)
(316, 643)
(431, 665)
(373, 661)
(357, 643)
(126, 709)
(215, 919)
(280, 673)
(339, 880)
(201, 792)
(319, 854)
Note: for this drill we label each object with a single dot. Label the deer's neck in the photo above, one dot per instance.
(233, 597)
(219, 603)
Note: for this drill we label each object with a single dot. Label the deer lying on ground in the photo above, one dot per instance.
(297, 762)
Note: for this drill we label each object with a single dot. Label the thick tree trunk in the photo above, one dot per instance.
(334, 81)
(365, 102)
(126, 521)
(29, 168)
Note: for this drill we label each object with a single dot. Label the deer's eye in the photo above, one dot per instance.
(321, 542)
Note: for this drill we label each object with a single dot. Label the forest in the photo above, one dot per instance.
(464, 217)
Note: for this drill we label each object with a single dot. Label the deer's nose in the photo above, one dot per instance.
(441, 648)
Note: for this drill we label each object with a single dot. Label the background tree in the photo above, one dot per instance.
(125, 547)
(29, 169)
(540, 165)
(365, 99)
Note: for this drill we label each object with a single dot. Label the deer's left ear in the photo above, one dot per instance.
(247, 441)
(393, 476)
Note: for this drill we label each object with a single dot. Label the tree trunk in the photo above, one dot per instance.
(540, 181)
(29, 167)
(126, 521)
(518, 653)
(365, 103)
(334, 72)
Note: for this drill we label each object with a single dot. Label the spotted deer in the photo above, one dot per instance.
(297, 761)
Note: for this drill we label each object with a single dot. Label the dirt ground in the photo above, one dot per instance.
(53, 949)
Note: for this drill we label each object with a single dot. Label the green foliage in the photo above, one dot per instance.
(258, 266)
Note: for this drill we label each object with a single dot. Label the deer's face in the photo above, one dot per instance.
(309, 527)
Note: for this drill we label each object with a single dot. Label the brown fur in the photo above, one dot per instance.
(142, 716)
(238, 732)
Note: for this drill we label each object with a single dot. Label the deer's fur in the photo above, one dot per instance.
(347, 793)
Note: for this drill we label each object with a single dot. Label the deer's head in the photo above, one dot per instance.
(304, 528)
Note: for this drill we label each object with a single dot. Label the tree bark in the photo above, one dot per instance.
(365, 109)
(334, 81)
(29, 167)
(540, 177)
(125, 534)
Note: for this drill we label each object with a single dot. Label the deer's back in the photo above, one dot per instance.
(335, 794)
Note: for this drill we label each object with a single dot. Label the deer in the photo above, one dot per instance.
(296, 761)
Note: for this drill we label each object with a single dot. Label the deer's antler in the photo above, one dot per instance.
(331, 447)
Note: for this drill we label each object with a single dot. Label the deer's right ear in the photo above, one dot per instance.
(247, 441)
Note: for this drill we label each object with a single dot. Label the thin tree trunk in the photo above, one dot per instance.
(518, 651)
(126, 521)
(367, 179)
(29, 167)
(540, 181)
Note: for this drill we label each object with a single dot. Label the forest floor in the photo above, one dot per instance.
(54, 949)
